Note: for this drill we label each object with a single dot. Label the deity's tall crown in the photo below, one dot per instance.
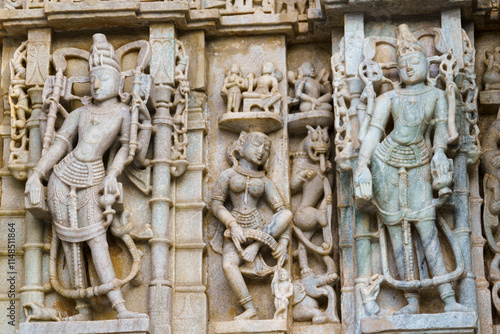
(102, 54)
(407, 43)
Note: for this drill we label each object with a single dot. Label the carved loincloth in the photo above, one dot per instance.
(76, 185)
(408, 156)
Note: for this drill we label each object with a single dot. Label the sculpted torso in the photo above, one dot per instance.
(312, 87)
(237, 184)
(412, 114)
(266, 84)
(98, 130)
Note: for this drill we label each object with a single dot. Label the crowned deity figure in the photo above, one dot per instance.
(246, 230)
(78, 177)
(394, 175)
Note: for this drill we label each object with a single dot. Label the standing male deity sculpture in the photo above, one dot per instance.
(76, 181)
(394, 174)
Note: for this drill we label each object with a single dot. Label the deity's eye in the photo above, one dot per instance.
(415, 61)
(104, 77)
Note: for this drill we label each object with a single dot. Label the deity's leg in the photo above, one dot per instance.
(230, 264)
(237, 101)
(430, 242)
(302, 253)
(56, 199)
(280, 223)
(82, 305)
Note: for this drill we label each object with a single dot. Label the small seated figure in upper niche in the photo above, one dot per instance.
(266, 89)
(491, 76)
(246, 231)
(233, 85)
(313, 92)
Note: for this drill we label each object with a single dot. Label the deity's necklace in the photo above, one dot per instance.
(248, 173)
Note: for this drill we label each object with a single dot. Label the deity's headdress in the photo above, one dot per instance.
(102, 54)
(407, 43)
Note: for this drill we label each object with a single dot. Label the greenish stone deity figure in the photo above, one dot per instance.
(394, 175)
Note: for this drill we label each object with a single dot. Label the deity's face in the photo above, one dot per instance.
(307, 69)
(284, 275)
(235, 69)
(255, 148)
(104, 83)
(413, 68)
(267, 68)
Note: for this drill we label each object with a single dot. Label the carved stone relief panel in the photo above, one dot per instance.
(243, 140)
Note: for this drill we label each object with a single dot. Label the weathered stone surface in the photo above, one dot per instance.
(450, 323)
(127, 326)
(235, 182)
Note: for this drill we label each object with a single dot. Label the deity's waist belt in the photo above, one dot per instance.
(394, 218)
(252, 220)
(408, 156)
(80, 174)
(80, 234)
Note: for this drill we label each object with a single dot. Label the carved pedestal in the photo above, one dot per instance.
(271, 326)
(299, 328)
(122, 326)
(449, 323)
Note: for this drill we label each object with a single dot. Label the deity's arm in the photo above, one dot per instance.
(219, 196)
(274, 87)
(121, 156)
(289, 290)
(440, 139)
(376, 129)
(273, 197)
(299, 91)
(62, 143)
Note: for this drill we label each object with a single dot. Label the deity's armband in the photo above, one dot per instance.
(63, 137)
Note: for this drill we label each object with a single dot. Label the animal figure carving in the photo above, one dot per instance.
(305, 294)
(40, 312)
(312, 177)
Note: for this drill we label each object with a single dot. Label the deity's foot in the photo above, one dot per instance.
(78, 317)
(251, 313)
(456, 307)
(319, 319)
(126, 314)
(412, 308)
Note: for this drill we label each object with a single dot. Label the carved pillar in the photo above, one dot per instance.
(162, 39)
(353, 39)
(451, 23)
(190, 301)
(37, 69)
(11, 209)
(478, 241)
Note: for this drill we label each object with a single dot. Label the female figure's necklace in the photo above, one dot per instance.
(248, 173)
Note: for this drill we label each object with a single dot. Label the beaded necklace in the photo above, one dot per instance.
(248, 174)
